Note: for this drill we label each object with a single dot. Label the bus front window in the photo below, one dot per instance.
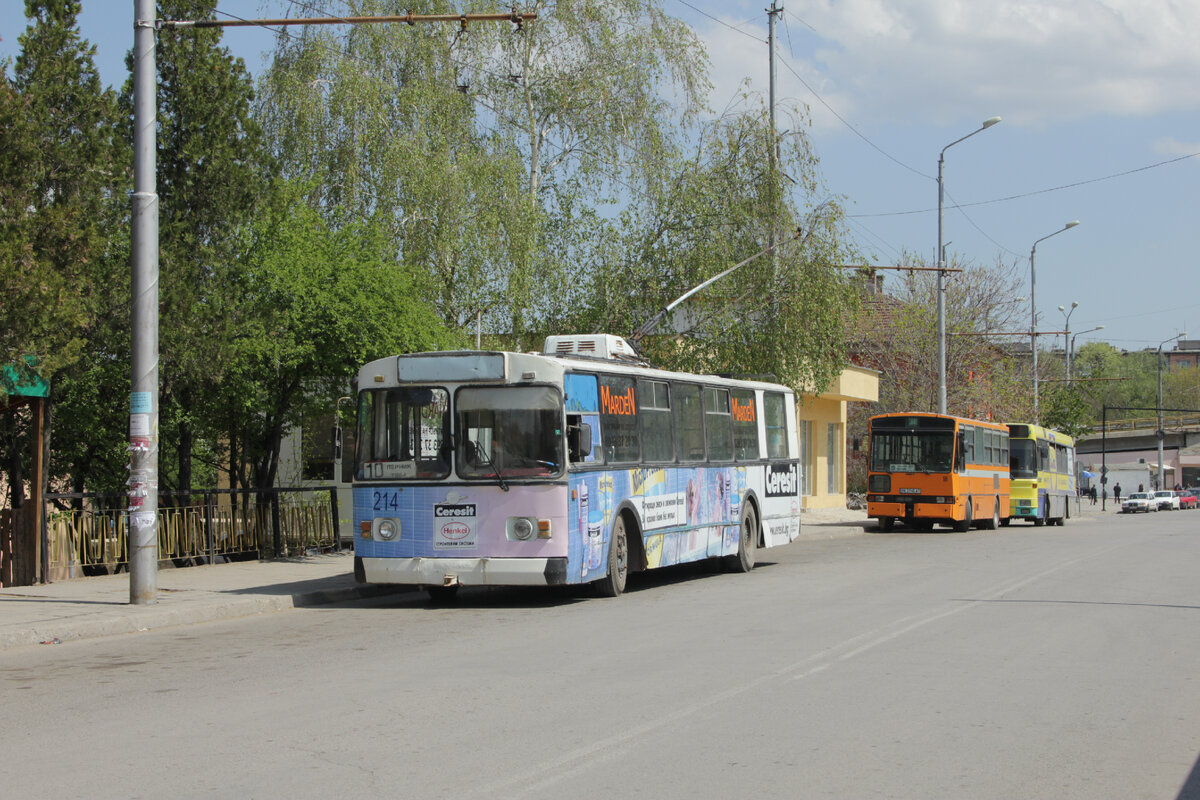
(1022, 458)
(912, 451)
(509, 432)
(403, 433)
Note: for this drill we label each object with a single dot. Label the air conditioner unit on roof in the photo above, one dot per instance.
(599, 345)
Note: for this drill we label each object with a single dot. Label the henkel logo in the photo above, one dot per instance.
(622, 404)
(456, 531)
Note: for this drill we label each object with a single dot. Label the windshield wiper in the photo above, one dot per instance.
(487, 461)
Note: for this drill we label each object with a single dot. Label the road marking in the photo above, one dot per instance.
(580, 759)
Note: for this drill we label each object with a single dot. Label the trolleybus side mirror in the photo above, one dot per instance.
(579, 440)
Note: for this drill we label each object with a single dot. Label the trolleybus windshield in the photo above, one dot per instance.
(403, 433)
(509, 432)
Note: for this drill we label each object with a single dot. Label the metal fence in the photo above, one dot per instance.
(204, 527)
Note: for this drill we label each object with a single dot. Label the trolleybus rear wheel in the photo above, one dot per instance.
(618, 561)
(747, 543)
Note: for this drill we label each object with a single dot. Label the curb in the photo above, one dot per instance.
(156, 617)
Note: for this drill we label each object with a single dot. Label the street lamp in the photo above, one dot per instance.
(1159, 433)
(1033, 310)
(1071, 350)
(1067, 332)
(941, 268)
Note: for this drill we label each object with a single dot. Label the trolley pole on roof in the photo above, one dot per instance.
(143, 398)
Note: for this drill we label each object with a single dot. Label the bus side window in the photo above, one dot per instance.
(775, 418)
(960, 454)
(689, 423)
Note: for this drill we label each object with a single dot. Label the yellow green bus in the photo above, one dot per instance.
(1042, 467)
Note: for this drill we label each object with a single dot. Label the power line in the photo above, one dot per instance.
(1039, 191)
(850, 127)
(720, 21)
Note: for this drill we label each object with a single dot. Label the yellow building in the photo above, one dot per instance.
(821, 419)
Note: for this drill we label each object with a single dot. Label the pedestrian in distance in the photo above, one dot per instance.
(1117, 493)
(1092, 495)
(1141, 488)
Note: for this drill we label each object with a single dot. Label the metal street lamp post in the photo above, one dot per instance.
(1071, 350)
(1159, 433)
(1067, 334)
(1033, 310)
(941, 263)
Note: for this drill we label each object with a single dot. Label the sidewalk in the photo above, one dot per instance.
(826, 523)
(86, 608)
(90, 607)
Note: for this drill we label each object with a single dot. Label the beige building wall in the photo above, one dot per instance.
(821, 420)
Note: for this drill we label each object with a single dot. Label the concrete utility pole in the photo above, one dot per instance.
(143, 398)
(1033, 332)
(1159, 433)
(941, 264)
(773, 150)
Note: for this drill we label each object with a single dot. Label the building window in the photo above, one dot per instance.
(808, 465)
(833, 458)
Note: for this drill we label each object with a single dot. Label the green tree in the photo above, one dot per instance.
(1123, 381)
(60, 178)
(312, 304)
(1181, 388)
(210, 167)
(379, 129)
(595, 96)
(784, 313)
(488, 149)
(1065, 408)
(58, 172)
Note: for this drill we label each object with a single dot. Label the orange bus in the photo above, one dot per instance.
(928, 469)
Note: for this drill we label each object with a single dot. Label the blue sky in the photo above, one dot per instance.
(1100, 102)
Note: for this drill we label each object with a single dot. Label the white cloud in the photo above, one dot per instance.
(888, 60)
(1169, 146)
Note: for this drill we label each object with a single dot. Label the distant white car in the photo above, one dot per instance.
(1166, 500)
(1139, 501)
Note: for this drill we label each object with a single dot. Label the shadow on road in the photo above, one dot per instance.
(475, 597)
(1191, 787)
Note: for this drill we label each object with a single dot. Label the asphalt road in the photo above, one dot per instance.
(1019, 663)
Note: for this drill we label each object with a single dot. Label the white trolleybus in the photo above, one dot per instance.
(577, 465)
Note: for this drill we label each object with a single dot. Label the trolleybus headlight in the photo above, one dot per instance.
(386, 529)
(521, 529)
